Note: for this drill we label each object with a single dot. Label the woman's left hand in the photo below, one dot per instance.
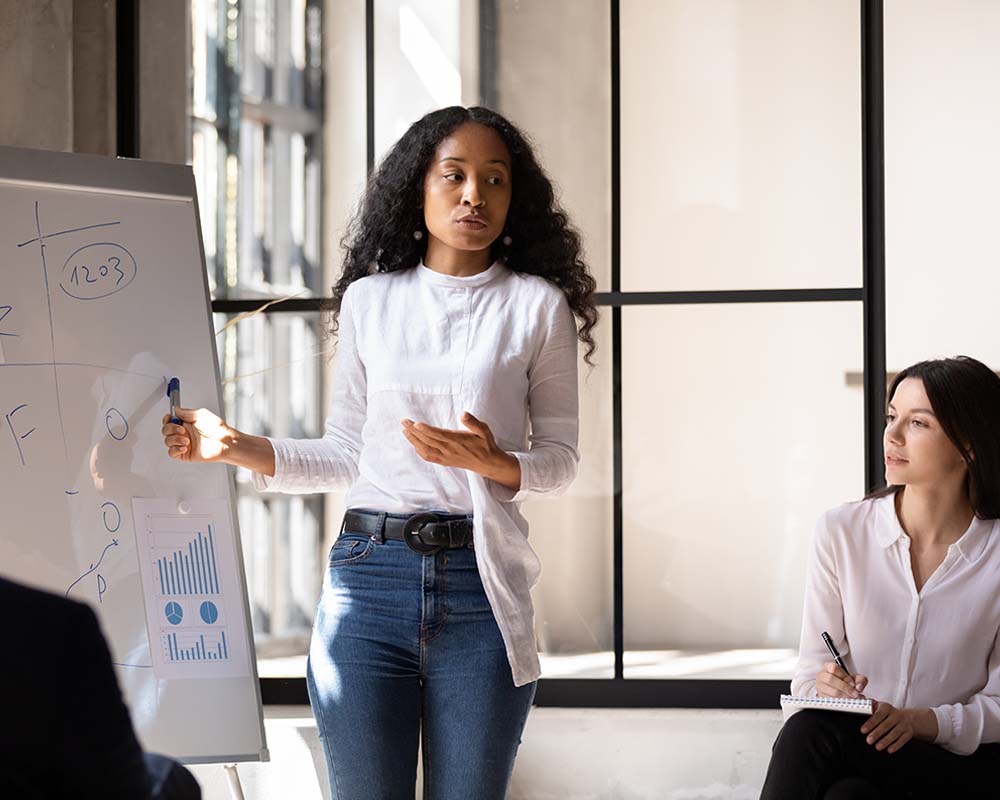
(889, 728)
(476, 451)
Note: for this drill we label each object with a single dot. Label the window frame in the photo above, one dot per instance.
(618, 691)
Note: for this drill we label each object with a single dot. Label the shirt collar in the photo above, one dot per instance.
(890, 530)
(453, 281)
(970, 544)
(973, 541)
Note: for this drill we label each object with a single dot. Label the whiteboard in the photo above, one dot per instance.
(103, 297)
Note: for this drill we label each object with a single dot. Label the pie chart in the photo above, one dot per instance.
(174, 613)
(209, 612)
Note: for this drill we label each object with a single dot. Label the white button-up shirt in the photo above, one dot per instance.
(416, 343)
(936, 648)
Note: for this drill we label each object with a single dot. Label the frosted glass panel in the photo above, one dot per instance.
(554, 79)
(573, 537)
(273, 367)
(942, 73)
(544, 64)
(740, 145)
(419, 63)
(740, 429)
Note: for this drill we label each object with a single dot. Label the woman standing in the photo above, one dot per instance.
(462, 298)
(906, 583)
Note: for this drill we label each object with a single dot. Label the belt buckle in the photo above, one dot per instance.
(411, 534)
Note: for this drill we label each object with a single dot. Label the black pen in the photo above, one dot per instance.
(174, 393)
(834, 653)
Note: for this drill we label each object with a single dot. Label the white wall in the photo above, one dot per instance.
(942, 74)
(583, 754)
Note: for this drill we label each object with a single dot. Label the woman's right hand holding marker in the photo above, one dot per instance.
(203, 436)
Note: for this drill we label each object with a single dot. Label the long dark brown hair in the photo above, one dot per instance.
(965, 398)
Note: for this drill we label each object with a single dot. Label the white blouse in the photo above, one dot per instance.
(416, 343)
(936, 648)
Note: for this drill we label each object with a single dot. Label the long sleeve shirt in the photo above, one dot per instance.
(419, 344)
(935, 648)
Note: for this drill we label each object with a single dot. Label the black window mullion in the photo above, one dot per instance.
(618, 585)
(127, 77)
(370, 84)
(873, 234)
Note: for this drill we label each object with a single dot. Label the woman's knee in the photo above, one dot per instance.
(853, 789)
(809, 732)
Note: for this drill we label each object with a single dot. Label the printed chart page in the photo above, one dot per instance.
(191, 587)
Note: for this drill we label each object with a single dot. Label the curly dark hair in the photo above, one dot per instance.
(543, 242)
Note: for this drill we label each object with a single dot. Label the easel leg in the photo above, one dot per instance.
(233, 777)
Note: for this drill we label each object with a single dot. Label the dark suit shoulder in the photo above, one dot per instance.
(41, 603)
(86, 744)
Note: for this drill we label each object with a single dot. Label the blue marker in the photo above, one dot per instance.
(174, 393)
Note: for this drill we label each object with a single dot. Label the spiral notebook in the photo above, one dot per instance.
(860, 706)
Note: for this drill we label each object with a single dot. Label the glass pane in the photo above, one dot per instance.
(740, 145)
(573, 537)
(736, 437)
(418, 66)
(942, 167)
(280, 197)
(254, 211)
(273, 368)
(543, 63)
(313, 75)
(208, 163)
(553, 77)
(207, 46)
(258, 39)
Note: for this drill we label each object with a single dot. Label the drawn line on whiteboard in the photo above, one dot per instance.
(72, 230)
(157, 378)
(6, 310)
(104, 515)
(137, 666)
(68, 492)
(52, 330)
(17, 440)
(114, 543)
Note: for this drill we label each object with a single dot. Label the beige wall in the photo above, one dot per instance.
(942, 126)
(60, 55)
(43, 100)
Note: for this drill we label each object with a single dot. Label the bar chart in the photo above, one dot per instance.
(192, 584)
(195, 645)
(187, 569)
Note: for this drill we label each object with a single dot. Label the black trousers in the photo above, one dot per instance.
(822, 755)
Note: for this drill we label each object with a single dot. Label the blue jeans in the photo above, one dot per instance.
(404, 648)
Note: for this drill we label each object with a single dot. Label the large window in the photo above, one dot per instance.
(724, 165)
(257, 151)
(713, 411)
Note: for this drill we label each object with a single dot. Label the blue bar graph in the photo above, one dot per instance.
(191, 569)
(196, 646)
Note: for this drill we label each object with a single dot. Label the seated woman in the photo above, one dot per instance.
(907, 583)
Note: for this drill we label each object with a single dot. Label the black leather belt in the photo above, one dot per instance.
(422, 533)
